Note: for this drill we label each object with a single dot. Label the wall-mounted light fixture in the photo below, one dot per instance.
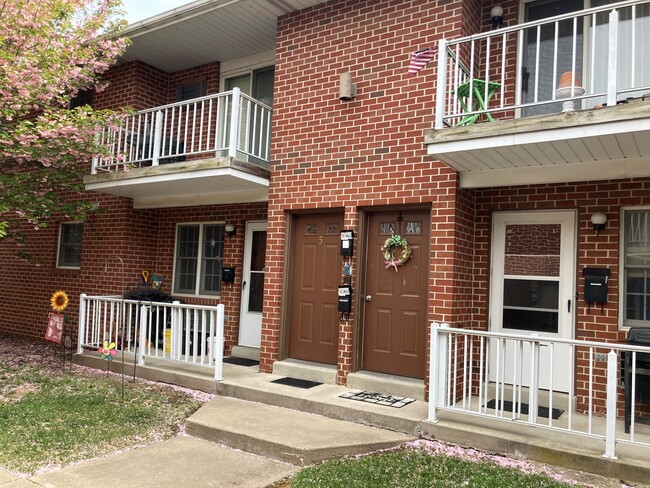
(347, 89)
(599, 220)
(230, 229)
(497, 16)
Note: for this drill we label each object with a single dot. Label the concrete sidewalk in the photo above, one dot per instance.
(277, 442)
(178, 462)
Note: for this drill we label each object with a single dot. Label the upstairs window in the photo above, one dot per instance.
(70, 241)
(636, 268)
(198, 259)
(189, 91)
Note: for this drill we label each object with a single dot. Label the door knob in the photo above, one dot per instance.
(368, 298)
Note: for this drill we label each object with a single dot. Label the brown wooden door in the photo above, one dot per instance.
(395, 318)
(315, 277)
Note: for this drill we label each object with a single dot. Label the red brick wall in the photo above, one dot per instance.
(135, 84)
(365, 153)
(119, 242)
(140, 86)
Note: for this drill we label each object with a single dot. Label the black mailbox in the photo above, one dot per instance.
(596, 284)
(637, 336)
(227, 275)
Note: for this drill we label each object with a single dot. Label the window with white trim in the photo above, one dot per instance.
(636, 268)
(198, 259)
(70, 242)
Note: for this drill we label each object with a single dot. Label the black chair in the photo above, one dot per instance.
(637, 337)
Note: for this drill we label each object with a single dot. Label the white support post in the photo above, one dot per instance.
(143, 334)
(157, 138)
(218, 344)
(177, 331)
(441, 89)
(437, 370)
(533, 391)
(612, 61)
(610, 415)
(234, 122)
(82, 323)
(433, 373)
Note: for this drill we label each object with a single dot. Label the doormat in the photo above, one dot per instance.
(378, 398)
(240, 361)
(296, 382)
(541, 411)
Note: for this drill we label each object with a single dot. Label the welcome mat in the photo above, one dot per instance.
(541, 411)
(296, 382)
(241, 361)
(378, 398)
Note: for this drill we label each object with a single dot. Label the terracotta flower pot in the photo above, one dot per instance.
(567, 80)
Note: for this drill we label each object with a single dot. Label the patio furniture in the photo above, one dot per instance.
(480, 99)
(637, 336)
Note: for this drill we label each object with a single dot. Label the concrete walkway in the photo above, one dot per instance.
(232, 443)
(179, 462)
(283, 427)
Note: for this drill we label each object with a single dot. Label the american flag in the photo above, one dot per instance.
(419, 59)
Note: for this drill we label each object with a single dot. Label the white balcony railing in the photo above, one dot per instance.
(228, 124)
(498, 376)
(602, 53)
(169, 331)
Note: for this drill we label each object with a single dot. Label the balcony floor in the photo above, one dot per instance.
(194, 182)
(604, 143)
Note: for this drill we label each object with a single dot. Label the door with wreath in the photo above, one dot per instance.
(395, 292)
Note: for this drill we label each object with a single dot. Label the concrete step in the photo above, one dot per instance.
(387, 384)
(323, 400)
(304, 370)
(287, 435)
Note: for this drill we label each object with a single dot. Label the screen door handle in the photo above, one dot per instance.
(243, 285)
(569, 306)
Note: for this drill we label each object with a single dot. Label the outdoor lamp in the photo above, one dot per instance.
(497, 16)
(230, 229)
(598, 219)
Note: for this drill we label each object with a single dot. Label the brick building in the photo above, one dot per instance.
(497, 214)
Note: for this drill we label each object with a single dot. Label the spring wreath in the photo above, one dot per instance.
(387, 250)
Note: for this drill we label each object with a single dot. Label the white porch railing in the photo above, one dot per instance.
(228, 124)
(516, 71)
(498, 376)
(170, 331)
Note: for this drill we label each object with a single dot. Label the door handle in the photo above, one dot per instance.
(569, 306)
(368, 298)
(243, 285)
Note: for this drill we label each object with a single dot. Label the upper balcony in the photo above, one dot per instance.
(554, 100)
(208, 150)
(213, 149)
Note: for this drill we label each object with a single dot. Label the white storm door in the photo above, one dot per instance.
(533, 293)
(252, 297)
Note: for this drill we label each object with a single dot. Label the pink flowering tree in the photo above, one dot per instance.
(50, 51)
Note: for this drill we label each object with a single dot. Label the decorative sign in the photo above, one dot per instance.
(54, 331)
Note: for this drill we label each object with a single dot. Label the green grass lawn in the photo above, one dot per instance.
(416, 468)
(51, 416)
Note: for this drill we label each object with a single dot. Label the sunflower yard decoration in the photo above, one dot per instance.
(387, 250)
(59, 301)
(56, 321)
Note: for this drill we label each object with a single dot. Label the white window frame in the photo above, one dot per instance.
(622, 299)
(60, 245)
(199, 268)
